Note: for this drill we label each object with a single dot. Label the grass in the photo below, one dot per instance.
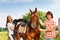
(4, 36)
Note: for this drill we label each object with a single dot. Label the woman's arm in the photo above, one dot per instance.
(45, 30)
(12, 28)
(41, 22)
(51, 27)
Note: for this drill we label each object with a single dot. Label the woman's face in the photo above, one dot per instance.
(49, 16)
(9, 18)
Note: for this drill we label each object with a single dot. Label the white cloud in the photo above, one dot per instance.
(15, 1)
(44, 10)
(56, 1)
(55, 5)
(4, 1)
(22, 1)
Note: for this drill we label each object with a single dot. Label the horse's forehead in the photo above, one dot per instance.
(33, 12)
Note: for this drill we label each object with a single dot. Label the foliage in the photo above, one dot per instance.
(3, 29)
(41, 16)
(26, 16)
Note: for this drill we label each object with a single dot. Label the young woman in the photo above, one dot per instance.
(50, 26)
(10, 27)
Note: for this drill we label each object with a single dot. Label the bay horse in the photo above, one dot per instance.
(32, 29)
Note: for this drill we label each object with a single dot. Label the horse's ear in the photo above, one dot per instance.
(30, 10)
(35, 9)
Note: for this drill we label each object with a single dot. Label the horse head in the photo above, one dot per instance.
(34, 17)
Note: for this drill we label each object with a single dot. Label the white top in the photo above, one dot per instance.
(8, 26)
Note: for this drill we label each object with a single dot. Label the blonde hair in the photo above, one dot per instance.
(7, 19)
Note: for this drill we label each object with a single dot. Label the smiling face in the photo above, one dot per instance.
(49, 16)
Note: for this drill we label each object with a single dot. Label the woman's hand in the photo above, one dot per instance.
(42, 30)
(12, 28)
(40, 20)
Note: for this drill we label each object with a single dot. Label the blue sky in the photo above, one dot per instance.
(16, 8)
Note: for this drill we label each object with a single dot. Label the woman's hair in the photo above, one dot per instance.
(49, 13)
(7, 19)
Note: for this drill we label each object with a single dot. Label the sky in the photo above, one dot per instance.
(17, 8)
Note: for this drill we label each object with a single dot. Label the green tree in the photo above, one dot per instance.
(26, 16)
(41, 16)
(1, 29)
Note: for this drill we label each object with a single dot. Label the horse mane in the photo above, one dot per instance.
(15, 21)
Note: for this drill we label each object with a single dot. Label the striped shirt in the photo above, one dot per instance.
(50, 25)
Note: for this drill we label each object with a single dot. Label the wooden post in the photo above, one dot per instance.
(59, 28)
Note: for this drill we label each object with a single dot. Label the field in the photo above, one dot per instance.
(4, 36)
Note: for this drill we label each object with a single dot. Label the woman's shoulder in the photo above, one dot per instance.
(9, 24)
